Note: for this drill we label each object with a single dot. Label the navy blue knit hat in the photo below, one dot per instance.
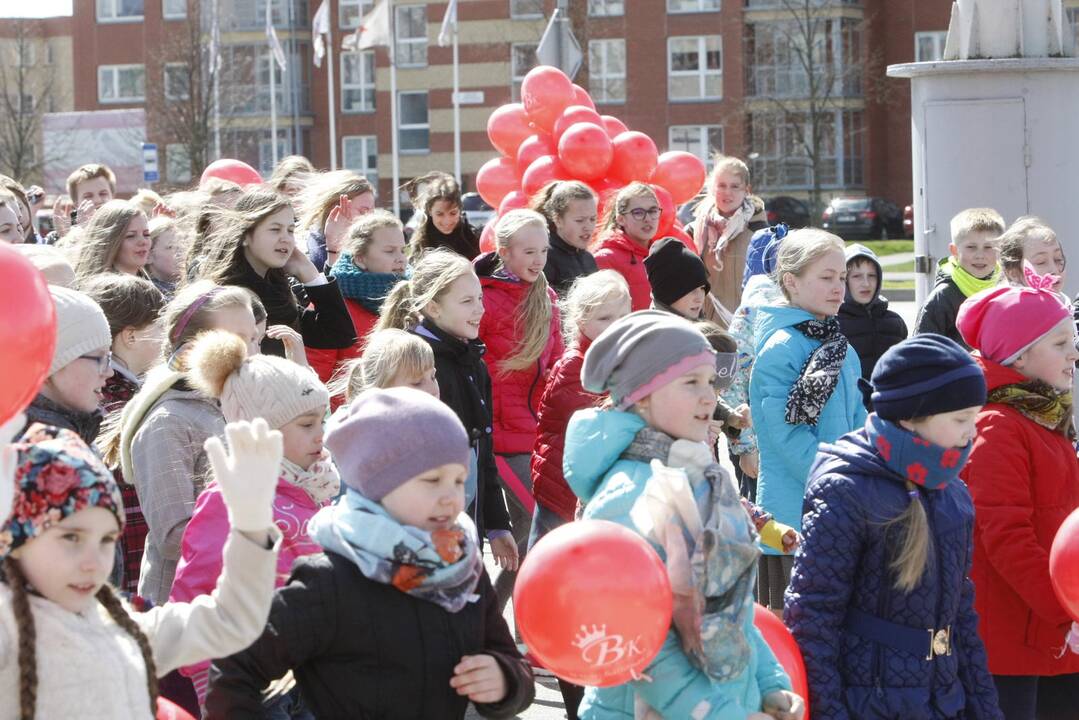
(925, 375)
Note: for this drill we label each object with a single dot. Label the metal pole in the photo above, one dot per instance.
(273, 86)
(216, 64)
(333, 105)
(293, 76)
(393, 111)
(456, 106)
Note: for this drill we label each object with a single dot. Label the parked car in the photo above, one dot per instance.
(863, 218)
(786, 209)
(479, 213)
(908, 221)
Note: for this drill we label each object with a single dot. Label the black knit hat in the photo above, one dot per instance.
(926, 375)
(674, 270)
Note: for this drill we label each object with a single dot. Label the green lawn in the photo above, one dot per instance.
(901, 267)
(887, 247)
(898, 285)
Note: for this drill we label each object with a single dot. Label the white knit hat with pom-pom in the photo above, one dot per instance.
(261, 386)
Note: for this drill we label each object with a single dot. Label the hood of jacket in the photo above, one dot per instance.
(488, 267)
(761, 290)
(762, 250)
(618, 239)
(595, 439)
(857, 251)
(776, 317)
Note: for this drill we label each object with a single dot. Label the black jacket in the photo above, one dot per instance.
(566, 263)
(940, 310)
(360, 649)
(465, 385)
(871, 329)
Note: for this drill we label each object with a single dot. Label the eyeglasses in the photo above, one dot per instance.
(640, 214)
(103, 361)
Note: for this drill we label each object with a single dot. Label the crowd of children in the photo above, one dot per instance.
(397, 399)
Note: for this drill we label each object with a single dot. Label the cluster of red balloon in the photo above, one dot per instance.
(555, 133)
(28, 333)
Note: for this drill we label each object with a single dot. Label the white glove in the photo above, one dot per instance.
(9, 459)
(248, 474)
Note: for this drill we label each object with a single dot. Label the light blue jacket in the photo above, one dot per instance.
(609, 486)
(787, 451)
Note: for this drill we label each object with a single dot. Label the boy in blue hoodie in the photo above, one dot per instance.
(864, 318)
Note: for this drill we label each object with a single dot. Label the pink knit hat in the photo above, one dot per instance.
(1003, 322)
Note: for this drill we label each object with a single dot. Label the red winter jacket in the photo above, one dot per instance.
(326, 362)
(617, 252)
(515, 395)
(563, 397)
(1024, 479)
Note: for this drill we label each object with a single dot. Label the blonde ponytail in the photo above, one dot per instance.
(432, 276)
(913, 554)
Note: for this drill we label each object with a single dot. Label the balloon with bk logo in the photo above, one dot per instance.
(593, 603)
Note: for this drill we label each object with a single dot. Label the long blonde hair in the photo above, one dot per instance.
(800, 249)
(431, 277)
(620, 204)
(912, 554)
(103, 238)
(323, 192)
(532, 323)
(386, 353)
(585, 295)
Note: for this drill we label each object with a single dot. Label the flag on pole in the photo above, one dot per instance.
(214, 63)
(276, 50)
(449, 21)
(320, 26)
(374, 29)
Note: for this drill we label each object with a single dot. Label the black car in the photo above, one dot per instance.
(863, 218)
(789, 210)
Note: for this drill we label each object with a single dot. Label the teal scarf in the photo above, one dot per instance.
(369, 289)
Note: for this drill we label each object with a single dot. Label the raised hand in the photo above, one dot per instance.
(337, 224)
(61, 215)
(247, 473)
(85, 212)
(293, 342)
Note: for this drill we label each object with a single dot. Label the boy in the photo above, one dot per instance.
(864, 317)
(971, 268)
(89, 187)
(678, 278)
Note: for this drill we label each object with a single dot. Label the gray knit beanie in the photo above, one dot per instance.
(641, 353)
(81, 327)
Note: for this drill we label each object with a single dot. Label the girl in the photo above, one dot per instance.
(397, 617)
(351, 195)
(724, 221)
(117, 239)
(373, 262)
(570, 209)
(391, 358)
(291, 175)
(520, 327)
(253, 247)
(68, 644)
(629, 225)
(677, 277)
(804, 387)
(1024, 478)
(291, 400)
(442, 303)
(659, 371)
(436, 197)
(888, 533)
(163, 263)
(1029, 240)
(11, 230)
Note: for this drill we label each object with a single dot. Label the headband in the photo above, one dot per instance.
(190, 312)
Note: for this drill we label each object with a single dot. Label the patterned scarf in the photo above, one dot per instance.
(369, 289)
(967, 283)
(442, 567)
(1036, 400)
(912, 458)
(719, 230)
(820, 374)
(320, 481)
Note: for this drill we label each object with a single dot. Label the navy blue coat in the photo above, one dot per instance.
(844, 562)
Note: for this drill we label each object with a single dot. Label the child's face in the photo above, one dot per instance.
(11, 230)
(69, 562)
(689, 305)
(362, 204)
(730, 192)
(683, 407)
(272, 241)
(1052, 359)
(820, 288)
(445, 215)
(862, 281)
(135, 247)
(1046, 258)
(425, 381)
(977, 253)
(526, 254)
(77, 386)
(96, 190)
(431, 500)
(240, 321)
(385, 253)
(949, 430)
(460, 309)
(164, 258)
(577, 224)
(643, 228)
(604, 315)
(302, 438)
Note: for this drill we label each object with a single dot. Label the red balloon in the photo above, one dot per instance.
(681, 173)
(496, 179)
(593, 602)
(514, 201)
(168, 710)
(571, 116)
(615, 127)
(507, 127)
(635, 157)
(532, 149)
(786, 650)
(545, 93)
(541, 172)
(586, 151)
(1063, 564)
(487, 237)
(236, 171)
(27, 333)
(581, 97)
(669, 214)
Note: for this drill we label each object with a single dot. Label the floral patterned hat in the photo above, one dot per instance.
(57, 475)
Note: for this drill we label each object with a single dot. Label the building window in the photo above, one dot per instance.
(526, 8)
(929, 46)
(26, 104)
(121, 83)
(606, 8)
(49, 54)
(692, 6)
(351, 12)
(413, 124)
(522, 59)
(177, 164)
(695, 67)
(25, 53)
(704, 141)
(411, 35)
(360, 155)
(174, 9)
(781, 144)
(119, 10)
(177, 81)
(1072, 14)
(778, 68)
(607, 70)
(358, 81)
(266, 164)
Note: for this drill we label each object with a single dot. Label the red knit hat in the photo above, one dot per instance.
(1003, 322)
